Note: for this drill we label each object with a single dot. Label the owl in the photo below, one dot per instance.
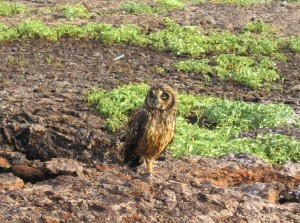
(151, 128)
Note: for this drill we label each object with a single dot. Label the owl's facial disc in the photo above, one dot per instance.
(158, 99)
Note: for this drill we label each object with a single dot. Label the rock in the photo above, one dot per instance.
(15, 157)
(4, 164)
(58, 166)
(291, 169)
(28, 173)
(268, 191)
(10, 182)
(178, 191)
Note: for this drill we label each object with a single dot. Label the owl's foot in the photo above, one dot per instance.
(149, 163)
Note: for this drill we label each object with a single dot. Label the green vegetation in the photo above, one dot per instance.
(155, 7)
(224, 121)
(7, 33)
(75, 11)
(11, 8)
(242, 69)
(295, 44)
(137, 7)
(258, 27)
(248, 58)
(242, 2)
(35, 29)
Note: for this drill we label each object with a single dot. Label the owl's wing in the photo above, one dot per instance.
(172, 139)
(135, 131)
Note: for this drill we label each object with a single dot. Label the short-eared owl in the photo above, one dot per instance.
(151, 128)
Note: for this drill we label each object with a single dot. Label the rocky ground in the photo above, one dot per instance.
(58, 163)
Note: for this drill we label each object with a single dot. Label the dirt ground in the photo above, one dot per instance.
(43, 114)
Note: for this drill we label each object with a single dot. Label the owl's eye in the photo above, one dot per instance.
(164, 96)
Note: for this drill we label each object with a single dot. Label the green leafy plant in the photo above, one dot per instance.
(75, 11)
(241, 69)
(11, 8)
(245, 70)
(123, 34)
(170, 4)
(67, 30)
(295, 44)
(242, 2)
(7, 33)
(35, 29)
(155, 7)
(137, 7)
(228, 118)
(258, 27)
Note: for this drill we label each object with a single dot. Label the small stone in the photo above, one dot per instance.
(10, 182)
(28, 172)
(64, 166)
(4, 163)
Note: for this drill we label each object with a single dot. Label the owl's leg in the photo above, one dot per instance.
(149, 163)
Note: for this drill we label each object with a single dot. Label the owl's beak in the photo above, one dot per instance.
(157, 104)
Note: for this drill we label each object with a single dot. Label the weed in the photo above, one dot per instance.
(137, 7)
(257, 27)
(245, 70)
(124, 34)
(118, 103)
(11, 8)
(75, 11)
(67, 30)
(49, 60)
(35, 29)
(7, 33)
(229, 119)
(241, 2)
(295, 44)
(159, 70)
(241, 69)
(170, 4)
(156, 7)
(247, 58)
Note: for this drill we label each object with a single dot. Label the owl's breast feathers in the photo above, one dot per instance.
(159, 132)
(149, 133)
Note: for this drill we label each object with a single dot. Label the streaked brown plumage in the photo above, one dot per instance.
(151, 128)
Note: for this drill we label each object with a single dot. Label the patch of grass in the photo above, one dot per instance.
(197, 66)
(155, 7)
(7, 33)
(35, 29)
(67, 30)
(193, 140)
(170, 4)
(295, 44)
(75, 11)
(245, 70)
(137, 7)
(117, 103)
(11, 8)
(124, 34)
(228, 118)
(241, 69)
(242, 2)
(247, 58)
(258, 27)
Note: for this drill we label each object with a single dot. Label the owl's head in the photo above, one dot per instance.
(161, 96)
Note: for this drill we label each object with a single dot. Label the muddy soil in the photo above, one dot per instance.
(43, 116)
